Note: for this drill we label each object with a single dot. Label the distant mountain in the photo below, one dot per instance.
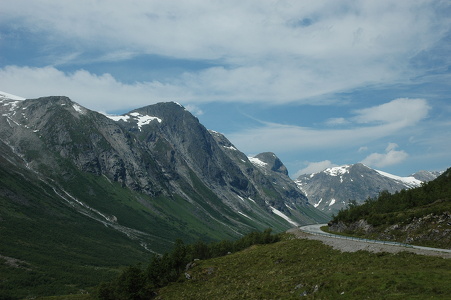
(333, 188)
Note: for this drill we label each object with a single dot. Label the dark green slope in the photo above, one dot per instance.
(59, 249)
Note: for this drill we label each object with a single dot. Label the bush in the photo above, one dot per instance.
(134, 283)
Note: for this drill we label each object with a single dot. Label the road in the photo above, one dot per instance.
(352, 244)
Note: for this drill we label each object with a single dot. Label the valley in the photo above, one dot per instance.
(85, 194)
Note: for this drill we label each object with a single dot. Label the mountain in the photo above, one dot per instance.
(333, 188)
(80, 185)
(178, 178)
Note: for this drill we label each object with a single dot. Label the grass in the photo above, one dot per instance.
(292, 268)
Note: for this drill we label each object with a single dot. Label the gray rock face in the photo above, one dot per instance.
(273, 163)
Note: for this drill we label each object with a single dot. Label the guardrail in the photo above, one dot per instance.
(356, 238)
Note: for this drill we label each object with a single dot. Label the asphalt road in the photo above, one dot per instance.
(316, 229)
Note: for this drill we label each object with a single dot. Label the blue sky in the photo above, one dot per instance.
(320, 83)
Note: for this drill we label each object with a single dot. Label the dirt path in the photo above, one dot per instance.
(346, 245)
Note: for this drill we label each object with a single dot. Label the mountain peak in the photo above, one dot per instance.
(272, 162)
(332, 188)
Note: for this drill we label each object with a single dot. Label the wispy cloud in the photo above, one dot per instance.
(314, 167)
(285, 138)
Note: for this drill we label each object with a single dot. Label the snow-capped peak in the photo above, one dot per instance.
(6, 96)
(337, 171)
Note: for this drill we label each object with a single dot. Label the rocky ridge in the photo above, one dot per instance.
(160, 151)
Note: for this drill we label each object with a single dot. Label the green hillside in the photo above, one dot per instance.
(419, 216)
(293, 268)
(52, 247)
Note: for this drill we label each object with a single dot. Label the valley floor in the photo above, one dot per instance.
(348, 245)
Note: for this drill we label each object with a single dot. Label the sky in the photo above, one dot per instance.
(319, 83)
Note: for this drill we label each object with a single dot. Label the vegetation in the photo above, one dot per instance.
(141, 283)
(293, 268)
(430, 201)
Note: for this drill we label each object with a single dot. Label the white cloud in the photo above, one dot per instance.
(314, 167)
(337, 121)
(390, 157)
(101, 93)
(285, 138)
(391, 147)
(267, 51)
(195, 110)
(403, 110)
(363, 149)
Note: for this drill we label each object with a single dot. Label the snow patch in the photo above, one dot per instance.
(79, 109)
(141, 119)
(144, 119)
(410, 181)
(283, 216)
(231, 148)
(337, 171)
(317, 204)
(118, 118)
(250, 199)
(4, 96)
(257, 162)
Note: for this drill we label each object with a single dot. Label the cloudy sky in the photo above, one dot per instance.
(320, 83)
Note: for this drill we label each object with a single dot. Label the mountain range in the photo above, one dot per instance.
(333, 188)
(153, 174)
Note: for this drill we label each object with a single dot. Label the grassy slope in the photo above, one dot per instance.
(287, 269)
(60, 251)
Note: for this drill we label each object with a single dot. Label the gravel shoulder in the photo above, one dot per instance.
(346, 245)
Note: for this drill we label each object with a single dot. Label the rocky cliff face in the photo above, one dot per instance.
(161, 151)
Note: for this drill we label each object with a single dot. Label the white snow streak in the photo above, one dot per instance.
(282, 215)
(230, 147)
(411, 181)
(245, 215)
(317, 204)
